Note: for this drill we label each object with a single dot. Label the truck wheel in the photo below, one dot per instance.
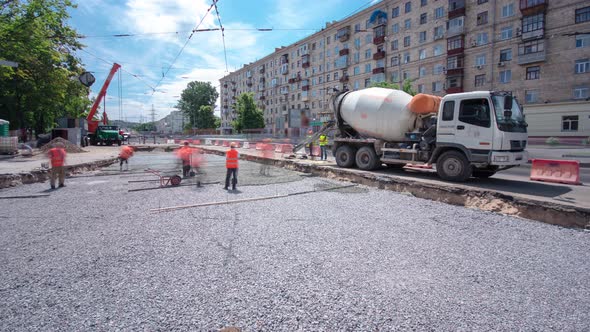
(453, 166)
(366, 158)
(345, 156)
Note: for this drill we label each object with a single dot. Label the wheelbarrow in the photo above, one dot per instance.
(173, 180)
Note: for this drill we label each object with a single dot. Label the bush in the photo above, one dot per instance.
(552, 141)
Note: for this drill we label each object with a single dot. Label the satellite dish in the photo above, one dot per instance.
(87, 79)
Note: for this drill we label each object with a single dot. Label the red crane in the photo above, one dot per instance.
(93, 124)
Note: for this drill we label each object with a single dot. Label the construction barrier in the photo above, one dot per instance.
(176, 141)
(197, 141)
(284, 148)
(208, 141)
(316, 151)
(226, 143)
(559, 171)
(259, 146)
(218, 143)
(170, 141)
(246, 145)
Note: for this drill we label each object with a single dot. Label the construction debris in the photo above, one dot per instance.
(68, 146)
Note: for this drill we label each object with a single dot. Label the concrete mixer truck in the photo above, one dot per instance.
(462, 135)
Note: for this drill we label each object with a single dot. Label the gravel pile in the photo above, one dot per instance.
(68, 146)
(93, 257)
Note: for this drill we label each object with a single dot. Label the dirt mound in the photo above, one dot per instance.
(69, 146)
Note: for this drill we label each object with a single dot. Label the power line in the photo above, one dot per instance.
(182, 49)
(222, 34)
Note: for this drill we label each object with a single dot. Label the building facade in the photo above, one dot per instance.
(173, 123)
(539, 50)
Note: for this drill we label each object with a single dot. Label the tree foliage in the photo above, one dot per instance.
(35, 34)
(148, 126)
(197, 102)
(249, 116)
(406, 86)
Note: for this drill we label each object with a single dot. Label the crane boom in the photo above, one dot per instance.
(92, 124)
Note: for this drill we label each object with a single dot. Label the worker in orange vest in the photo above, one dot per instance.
(185, 153)
(231, 163)
(126, 153)
(57, 155)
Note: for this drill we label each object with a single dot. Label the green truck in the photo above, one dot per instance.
(106, 135)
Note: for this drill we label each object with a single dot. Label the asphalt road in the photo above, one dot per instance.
(92, 256)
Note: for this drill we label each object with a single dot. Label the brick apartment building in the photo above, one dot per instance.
(538, 49)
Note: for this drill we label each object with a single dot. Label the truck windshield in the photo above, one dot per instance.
(109, 128)
(509, 120)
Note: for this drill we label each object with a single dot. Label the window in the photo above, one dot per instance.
(368, 39)
(456, 22)
(408, 24)
(356, 70)
(406, 41)
(408, 7)
(479, 2)
(405, 75)
(423, 3)
(506, 33)
(437, 50)
(581, 93)
(530, 47)
(533, 73)
(508, 10)
(583, 40)
(436, 86)
(439, 32)
(422, 54)
(367, 68)
(569, 123)
(480, 80)
(482, 18)
(505, 76)
(475, 112)
(582, 66)
(423, 18)
(454, 62)
(327, 77)
(395, 76)
(454, 43)
(328, 53)
(422, 72)
(368, 53)
(482, 38)
(583, 15)
(356, 85)
(328, 40)
(357, 28)
(394, 45)
(439, 12)
(448, 111)
(395, 12)
(420, 88)
(531, 96)
(407, 57)
(422, 36)
(394, 60)
(438, 69)
(367, 82)
(357, 43)
(480, 60)
(533, 22)
(395, 28)
(335, 75)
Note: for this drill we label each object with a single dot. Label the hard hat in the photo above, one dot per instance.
(233, 145)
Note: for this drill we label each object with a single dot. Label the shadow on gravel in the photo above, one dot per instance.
(523, 187)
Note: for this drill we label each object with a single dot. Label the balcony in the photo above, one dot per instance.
(343, 34)
(305, 61)
(262, 80)
(379, 55)
(524, 59)
(378, 70)
(305, 88)
(225, 85)
(284, 59)
(249, 82)
(343, 51)
(455, 89)
(456, 51)
(233, 89)
(535, 34)
(455, 72)
(460, 11)
(262, 97)
(344, 79)
(379, 40)
(455, 31)
(291, 80)
(261, 69)
(305, 64)
(531, 7)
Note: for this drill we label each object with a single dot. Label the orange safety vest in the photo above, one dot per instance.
(231, 160)
(126, 152)
(58, 156)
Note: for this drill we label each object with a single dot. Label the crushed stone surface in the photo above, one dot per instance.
(68, 146)
(92, 256)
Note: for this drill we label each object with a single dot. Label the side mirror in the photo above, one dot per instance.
(508, 102)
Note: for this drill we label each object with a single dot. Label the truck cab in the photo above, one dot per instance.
(488, 128)
(106, 135)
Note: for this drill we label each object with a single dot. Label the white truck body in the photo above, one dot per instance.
(474, 134)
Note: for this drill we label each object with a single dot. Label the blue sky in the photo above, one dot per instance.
(152, 58)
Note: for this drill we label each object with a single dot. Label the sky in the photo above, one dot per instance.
(159, 59)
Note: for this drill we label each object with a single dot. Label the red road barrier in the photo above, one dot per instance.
(559, 171)
(176, 141)
(217, 142)
(226, 143)
(197, 141)
(259, 146)
(316, 151)
(284, 148)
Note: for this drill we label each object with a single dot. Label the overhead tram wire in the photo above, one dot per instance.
(222, 34)
(183, 46)
(125, 35)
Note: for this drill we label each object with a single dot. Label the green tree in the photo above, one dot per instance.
(406, 86)
(148, 126)
(249, 116)
(193, 98)
(34, 34)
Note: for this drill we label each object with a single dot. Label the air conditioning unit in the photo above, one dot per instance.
(473, 43)
(479, 66)
(501, 64)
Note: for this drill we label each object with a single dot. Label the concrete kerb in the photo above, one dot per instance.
(12, 180)
(487, 200)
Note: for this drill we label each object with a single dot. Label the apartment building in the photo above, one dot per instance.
(539, 50)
